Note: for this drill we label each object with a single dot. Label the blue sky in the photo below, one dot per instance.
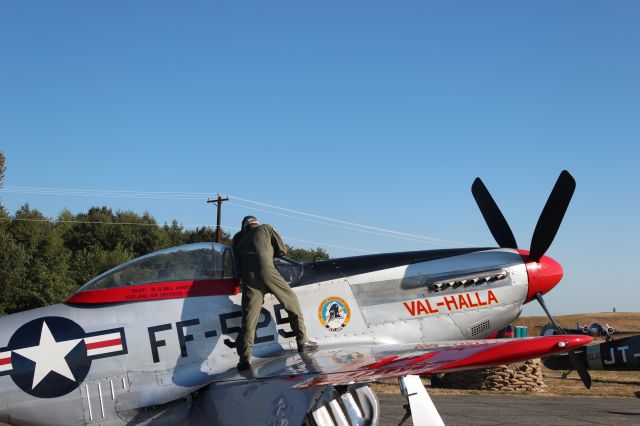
(375, 113)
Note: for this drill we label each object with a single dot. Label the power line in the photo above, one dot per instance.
(252, 208)
(105, 193)
(344, 222)
(54, 221)
(323, 220)
(327, 245)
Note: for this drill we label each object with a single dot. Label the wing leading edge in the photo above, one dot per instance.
(365, 363)
(445, 357)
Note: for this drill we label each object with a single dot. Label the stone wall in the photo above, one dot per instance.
(520, 377)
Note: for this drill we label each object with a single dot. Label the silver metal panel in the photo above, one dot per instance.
(440, 329)
(24, 409)
(314, 300)
(397, 332)
(99, 401)
(499, 318)
(262, 402)
(411, 281)
(322, 417)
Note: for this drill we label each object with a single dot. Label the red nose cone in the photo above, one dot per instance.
(543, 275)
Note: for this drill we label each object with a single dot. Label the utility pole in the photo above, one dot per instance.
(218, 201)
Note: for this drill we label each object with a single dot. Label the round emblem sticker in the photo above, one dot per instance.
(334, 313)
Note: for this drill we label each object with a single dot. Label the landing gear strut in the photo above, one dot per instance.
(419, 407)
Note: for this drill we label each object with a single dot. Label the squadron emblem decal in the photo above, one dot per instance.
(334, 313)
(49, 357)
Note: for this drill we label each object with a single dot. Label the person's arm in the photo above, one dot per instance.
(234, 248)
(279, 248)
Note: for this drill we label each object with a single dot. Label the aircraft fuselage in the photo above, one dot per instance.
(78, 363)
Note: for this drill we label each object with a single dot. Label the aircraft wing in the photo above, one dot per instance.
(287, 383)
(339, 366)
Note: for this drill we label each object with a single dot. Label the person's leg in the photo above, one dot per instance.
(289, 300)
(251, 304)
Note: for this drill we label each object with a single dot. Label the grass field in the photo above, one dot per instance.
(605, 383)
(618, 320)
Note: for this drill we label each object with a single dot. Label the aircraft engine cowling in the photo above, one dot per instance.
(355, 405)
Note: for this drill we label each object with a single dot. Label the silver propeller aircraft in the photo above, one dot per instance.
(594, 329)
(153, 340)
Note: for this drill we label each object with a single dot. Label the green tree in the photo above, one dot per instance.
(90, 262)
(174, 234)
(4, 216)
(47, 280)
(139, 234)
(205, 234)
(89, 230)
(100, 227)
(2, 169)
(303, 255)
(13, 273)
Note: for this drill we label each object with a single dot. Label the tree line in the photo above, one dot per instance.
(43, 261)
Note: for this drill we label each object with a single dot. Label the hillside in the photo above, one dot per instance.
(619, 321)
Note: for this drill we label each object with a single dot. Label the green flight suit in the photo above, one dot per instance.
(254, 252)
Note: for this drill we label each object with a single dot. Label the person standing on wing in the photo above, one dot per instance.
(255, 247)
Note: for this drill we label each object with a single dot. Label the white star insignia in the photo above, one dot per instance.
(49, 356)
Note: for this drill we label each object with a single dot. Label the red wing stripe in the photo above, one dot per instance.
(458, 356)
(104, 344)
(421, 358)
(514, 350)
(5, 361)
(383, 362)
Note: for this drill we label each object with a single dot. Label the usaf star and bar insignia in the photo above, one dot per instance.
(49, 357)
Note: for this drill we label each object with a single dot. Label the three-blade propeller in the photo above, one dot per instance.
(543, 235)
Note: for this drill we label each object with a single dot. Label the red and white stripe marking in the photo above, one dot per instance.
(103, 344)
(5, 361)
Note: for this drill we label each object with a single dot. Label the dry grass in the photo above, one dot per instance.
(605, 383)
(619, 321)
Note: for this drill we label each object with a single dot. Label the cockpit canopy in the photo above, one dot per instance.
(190, 262)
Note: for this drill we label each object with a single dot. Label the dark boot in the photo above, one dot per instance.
(307, 346)
(244, 364)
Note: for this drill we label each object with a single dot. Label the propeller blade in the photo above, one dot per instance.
(546, 311)
(575, 360)
(551, 216)
(493, 216)
(580, 368)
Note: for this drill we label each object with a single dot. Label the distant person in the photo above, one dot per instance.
(255, 247)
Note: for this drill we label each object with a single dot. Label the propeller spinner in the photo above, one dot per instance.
(543, 272)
